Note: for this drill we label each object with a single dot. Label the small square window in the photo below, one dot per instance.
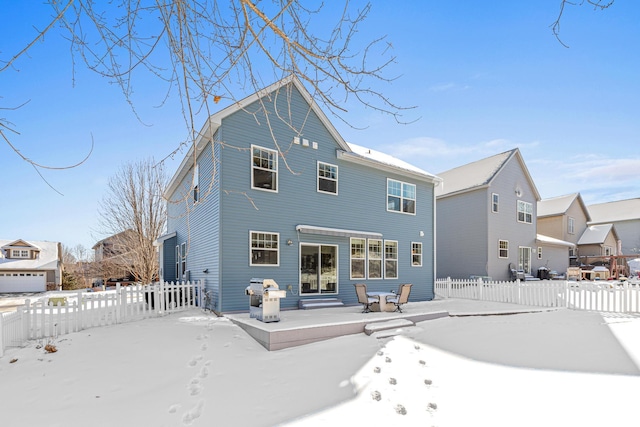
(503, 249)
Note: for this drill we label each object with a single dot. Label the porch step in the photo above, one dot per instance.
(306, 304)
(389, 324)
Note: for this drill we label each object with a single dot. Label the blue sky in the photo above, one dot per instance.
(485, 77)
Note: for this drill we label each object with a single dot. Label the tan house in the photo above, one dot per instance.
(30, 266)
(625, 215)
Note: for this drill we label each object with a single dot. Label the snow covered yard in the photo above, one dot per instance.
(553, 368)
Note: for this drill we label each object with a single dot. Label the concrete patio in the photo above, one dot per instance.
(300, 327)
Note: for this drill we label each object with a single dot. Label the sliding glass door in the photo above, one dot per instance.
(318, 269)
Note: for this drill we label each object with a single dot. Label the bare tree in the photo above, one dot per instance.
(213, 50)
(596, 4)
(133, 214)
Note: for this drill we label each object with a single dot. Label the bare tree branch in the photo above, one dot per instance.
(597, 5)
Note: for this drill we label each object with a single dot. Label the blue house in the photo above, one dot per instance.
(271, 190)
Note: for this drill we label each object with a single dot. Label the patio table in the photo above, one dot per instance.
(383, 305)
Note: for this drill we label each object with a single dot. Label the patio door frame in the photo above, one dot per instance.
(322, 281)
(524, 259)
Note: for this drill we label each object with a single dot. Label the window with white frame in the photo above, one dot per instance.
(183, 250)
(495, 199)
(19, 253)
(264, 248)
(264, 168)
(571, 225)
(390, 259)
(178, 261)
(503, 249)
(196, 184)
(327, 178)
(375, 259)
(401, 196)
(525, 212)
(358, 258)
(416, 254)
(608, 251)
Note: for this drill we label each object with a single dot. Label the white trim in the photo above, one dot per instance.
(497, 203)
(275, 160)
(328, 179)
(277, 250)
(319, 246)
(500, 249)
(364, 259)
(421, 254)
(397, 259)
(402, 198)
(381, 259)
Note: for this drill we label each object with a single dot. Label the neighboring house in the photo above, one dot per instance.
(486, 219)
(598, 241)
(30, 266)
(288, 199)
(625, 215)
(111, 261)
(561, 222)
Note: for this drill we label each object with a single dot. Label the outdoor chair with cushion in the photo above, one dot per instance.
(402, 297)
(363, 298)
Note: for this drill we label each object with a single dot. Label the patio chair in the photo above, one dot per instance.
(363, 298)
(402, 297)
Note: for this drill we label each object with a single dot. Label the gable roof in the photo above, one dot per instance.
(480, 174)
(560, 205)
(621, 210)
(47, 258)
(597, 234)
(215, 121)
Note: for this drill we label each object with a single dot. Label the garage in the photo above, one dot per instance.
(21, 281)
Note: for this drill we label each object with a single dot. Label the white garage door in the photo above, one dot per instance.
(23, 282)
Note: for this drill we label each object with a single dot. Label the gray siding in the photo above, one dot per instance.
(469, 232)
(219, 227)
(462, 235)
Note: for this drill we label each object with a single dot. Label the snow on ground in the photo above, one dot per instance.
(552, 368)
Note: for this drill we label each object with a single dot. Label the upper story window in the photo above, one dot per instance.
(571, 225)
(495, 199)
(264, 248)
(196, 184)
(401, 197)
(503, 249)
(416, 254)
(264, 168)
(327, 178)
(19, 253)
(525, 212)
(608, 251)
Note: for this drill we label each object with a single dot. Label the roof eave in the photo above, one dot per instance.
(356, 158)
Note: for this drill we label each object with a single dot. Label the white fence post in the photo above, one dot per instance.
(448, 287)
(479, 288)
(1, 335)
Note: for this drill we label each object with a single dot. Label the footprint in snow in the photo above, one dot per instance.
(194, 361)
(189, 417)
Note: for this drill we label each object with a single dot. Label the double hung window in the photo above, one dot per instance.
(525, 212)
(416, 254)
(327, 178)
(401, 196)
(390, 259)
(495, 202)
(503, 249)
(264, 248)
(375, 259)
(264, 168)
(358, 258)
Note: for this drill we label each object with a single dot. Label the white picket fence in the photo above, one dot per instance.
(63, 312)
(608, 296)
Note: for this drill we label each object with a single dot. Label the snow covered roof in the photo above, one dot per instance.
(622, 210)
(368, 156)
(596, 234)
(46, 260)
(560, 205)
(479, 174)
(553, 241)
